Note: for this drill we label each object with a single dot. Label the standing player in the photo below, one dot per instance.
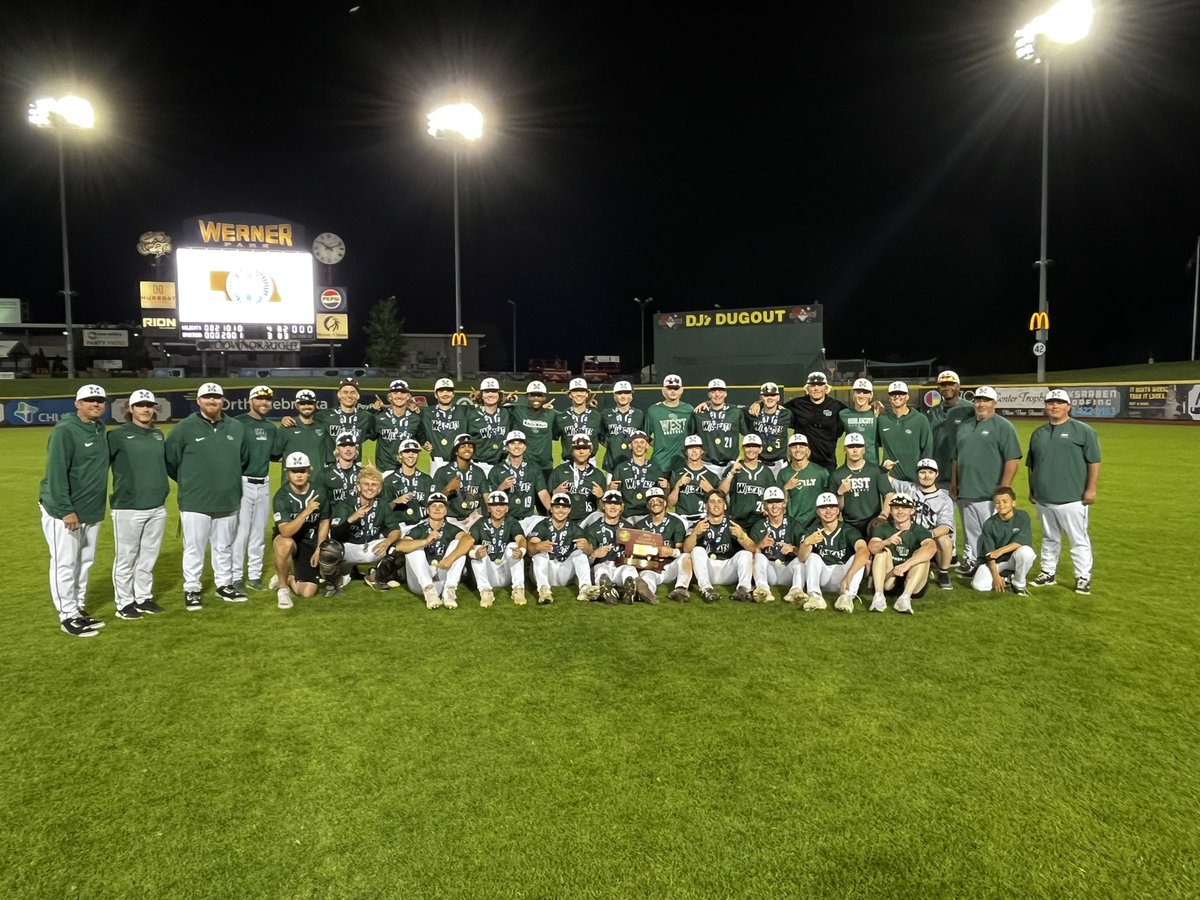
(692, 482)
(817, 416)
(407, 489)
(249, 545)
(803, 481)
(205, 456)
(1005, 545)
(580, 418)
(558, 553)
(71, 497)
(834, 558)
(900, 549)
(521, 481)
(1064, 467)
(618, 423)
(862, 487)
(904, 435)
(139, 513)
(301, 527)
(667, 424)
(498, 554)
(775, 538)
(443, 422)
(771, 422)
(721, 552)
(303, 433)
(580, 479)
(464, 483)
(719, 425)
(348, 416)
(862, 417)
(986, 456)
(435, 552)
(541, 426)
(399, 421)
(745, 481)
(340, 480)
(944, 420)
(490, 422)
(636, 474)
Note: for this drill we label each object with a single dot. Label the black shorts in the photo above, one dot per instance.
(302, 566)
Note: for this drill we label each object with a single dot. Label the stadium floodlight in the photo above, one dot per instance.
(1066, 22)
(457, 122)
(62, 114)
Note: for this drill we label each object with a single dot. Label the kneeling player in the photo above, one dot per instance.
(362, 529)
(301, 526)
(900, 552)
(435, 552)
(834, 557)
(558, 552)
(1005, 546)
(608, 554)
(774, 540)
(721, 552)
(673, 531)
(934, 511)
(498, 554)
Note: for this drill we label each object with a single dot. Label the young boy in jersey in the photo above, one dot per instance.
(443, 421)
(1005, 547)
(904, 434)
(862, 487)
(348, 416)
(775, 537)
(362, 529)
(718, 424)
(935, 511)
(435, 552)
(580, 418)
(399, 421)
(522, 481)
(721, 552)
(541, 425)
(803, 481)
(340, 479)
(498, 554)
(667, 423)
(301, 526)
(617, 424)
(771, 422)
(558, 552)
(834, 558)
(490, 422)
(673, 532)
(901, 552)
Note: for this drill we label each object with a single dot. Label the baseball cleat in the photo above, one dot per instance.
(432, 600)
(795, 595)
(762, 595)
(903, 605)
(879, 603)
(645, 592)
(129, 611)
(679, 595)
(77, 628)
(709, 595)
(943, 580)
(486, 599)
(149, 607)
(284, 598)
(518, 596)
(273, 583)
(373, 582)
(844, 603)
(450, 597)
(229, 594)
(191, 601)
(628, 590)
(742, 595)
(1044, 579)
(545, 595)
(1083, 586)
(815, 601)
(255, 584)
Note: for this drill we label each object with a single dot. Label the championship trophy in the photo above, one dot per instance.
(643, 549)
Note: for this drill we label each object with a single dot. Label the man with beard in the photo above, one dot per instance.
(817, 416)
(944, 420)
(541, 426)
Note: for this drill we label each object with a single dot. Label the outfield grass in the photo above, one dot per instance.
(366, 747)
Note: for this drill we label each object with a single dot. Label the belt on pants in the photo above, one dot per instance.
(255, 480)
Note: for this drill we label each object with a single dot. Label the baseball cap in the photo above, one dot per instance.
(948, 375)
(261, 390)
(489, 384)
(986, 393)
(578, 384)
(716, 384)
(535, 387)
(306, 396)
(443, 383)
(352, 382)
(898, 387)
(496, 498)
(827, 499)
(672, 381)
(655, 491)
(817, 378)
(622, 387)
(862, 384)
(581, 440)
(345, 439)
(461, 439)
(693, 440)
(752, 439)
(612, 497)
(854, 439)
(769, 389)
(210, 389)
(141, 396)
(773, 493)
(409, 444)
(91, 392)
(561, 500)
(514, 435)
(435, 497)
(398, 385)
(297, 460)
(903, 500)
(1058, 394)
(639, 434)
(927, 463)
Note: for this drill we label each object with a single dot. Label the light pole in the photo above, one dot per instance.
(513, 304)
(61, 114)
(642, 315)
(459, 123)
(1066, 22)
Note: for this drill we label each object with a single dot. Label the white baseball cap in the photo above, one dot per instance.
(985, 393)
(655, 491)
(435, 497)
(898, 387)
(261, 390)
(862, 384)
(769, 388)
(398, 385)
(948, 375)
(752, 439)
(535, 387)
(143, 396)
(561, 500)
(612, 497)
(716, 384)
(514, 435)
(409, 444)
(621, 387)
(827, 499)
(672, 381)
(306, 396)
(489, 384)
(798, 438)
(927, 463)
(817, 378)
(854, 439)
(1057, 394)
(444, 383)
(578, 384)
(210, 389)
(497, 498)
(693, 440)
(773, 493)
(91, 392)
(297, 460)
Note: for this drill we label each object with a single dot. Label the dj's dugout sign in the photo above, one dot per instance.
(243, 277)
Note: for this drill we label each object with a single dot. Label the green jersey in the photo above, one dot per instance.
(379, 521)
(721, 431)
(944, 421)
(359, 422)
(869, 487)
(417, 485)
(489, 430)
(311, 439)
(672, 529)
(287, 504)
(746, 491)
(76, 470)
(1058, 460)
(615, 428)
(865, 423)
(542, 428)
(906, 439)
(999, 533)
(773, 427)
(635, 479)
(803, 487)
(580, 484)
(981, 448)
(912, 538)
(563, 539)
(339, 483)
(435, 550)
(839, 547)
(527, 483)
(786, 532)
(718, 540)
(468, 495)
(600, 533)
(667, 427)
(206, 460)
(496, 538)
(587, 423)
(259, 435)
(137, 458)
(390, 430)
(692, 496)
(442, 424)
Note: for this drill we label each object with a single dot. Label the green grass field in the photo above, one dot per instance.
(366, 747)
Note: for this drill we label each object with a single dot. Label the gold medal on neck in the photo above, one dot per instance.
(445, 441)
(624, 446)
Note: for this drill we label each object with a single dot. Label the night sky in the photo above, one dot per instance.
(882, 158)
